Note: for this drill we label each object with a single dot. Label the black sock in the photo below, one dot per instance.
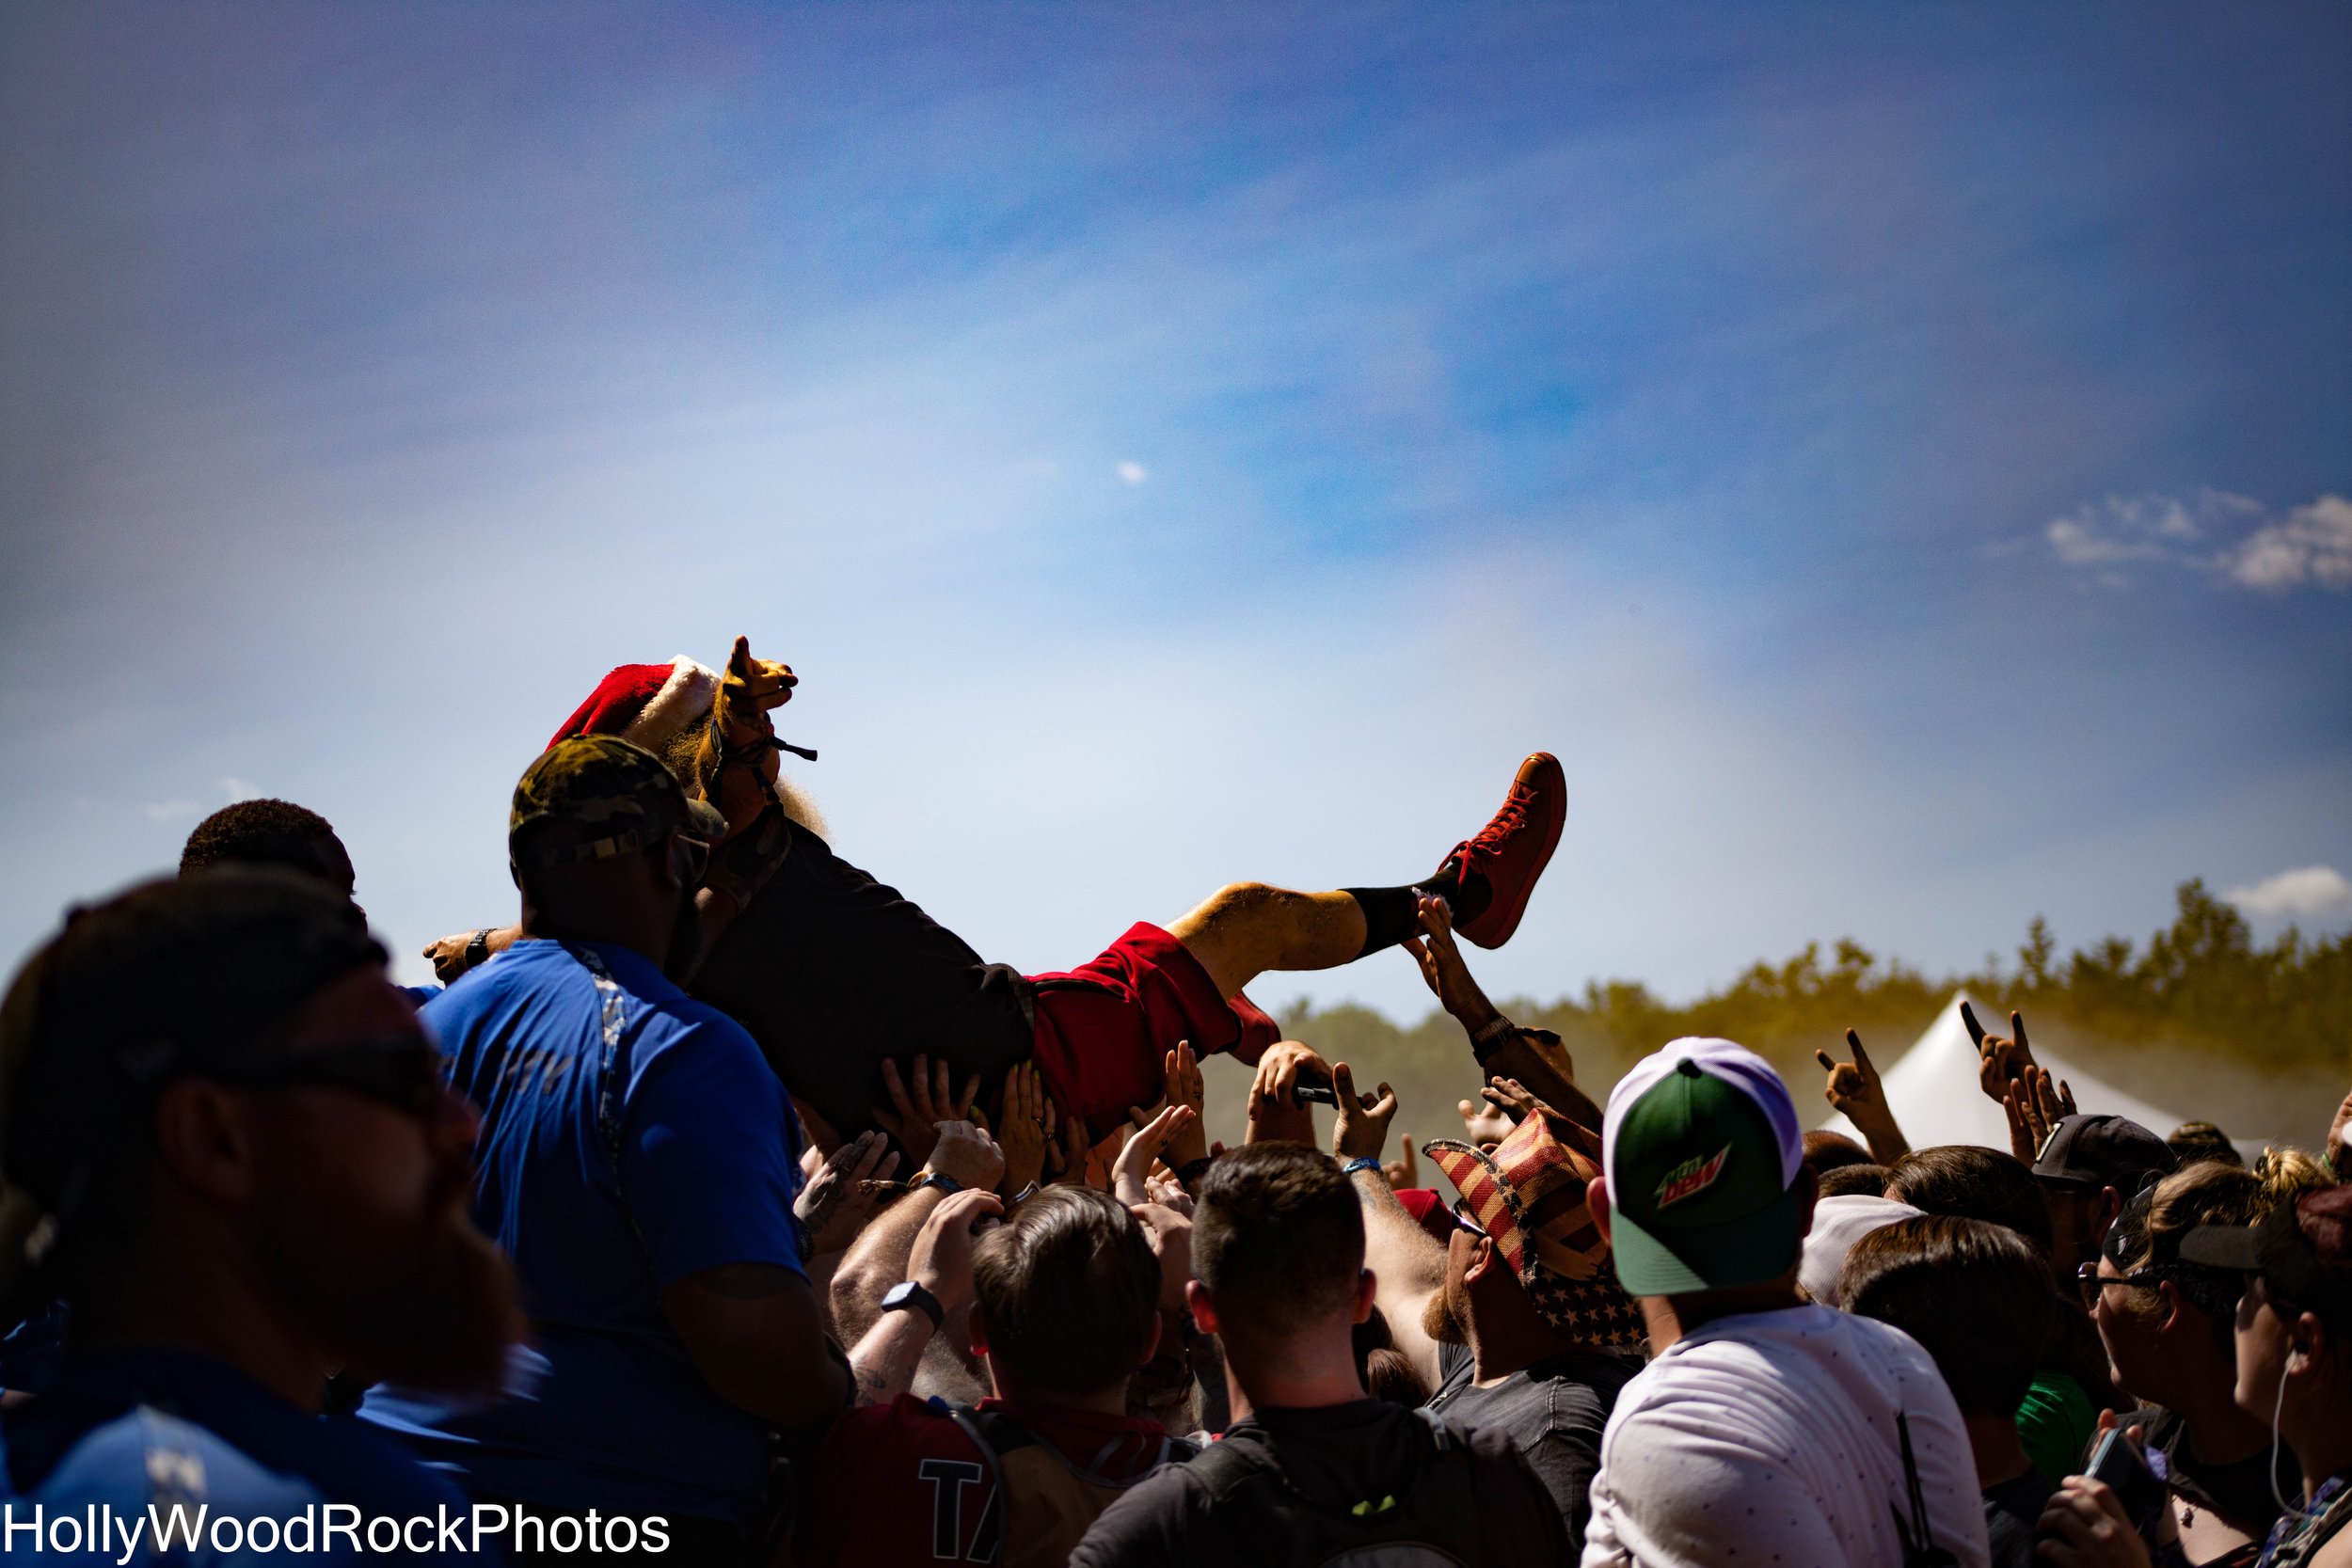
(1392, 914)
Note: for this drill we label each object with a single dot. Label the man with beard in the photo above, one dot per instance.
(230, 1150)
(638, 1162)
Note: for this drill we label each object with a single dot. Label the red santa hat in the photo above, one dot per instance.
(645, 704)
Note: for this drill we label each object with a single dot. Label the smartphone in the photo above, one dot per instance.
(1315, 1090)
(2118, 1461)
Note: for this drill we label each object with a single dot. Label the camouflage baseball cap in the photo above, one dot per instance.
(606, 788)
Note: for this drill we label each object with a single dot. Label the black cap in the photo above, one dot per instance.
(2105, 1151)
(2284, 1255)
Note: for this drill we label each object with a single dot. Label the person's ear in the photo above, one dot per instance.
(513, 874)
(1151, 1340)
(2307, 1340)
(1204, 1308)
(2169, 1296)
(975, 1330)
(2110, 1205)
(1483, 1254)
(201, 1138)
(1367, 1292)
(1597, 1200)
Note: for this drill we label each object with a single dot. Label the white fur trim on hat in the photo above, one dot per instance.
(684, 698)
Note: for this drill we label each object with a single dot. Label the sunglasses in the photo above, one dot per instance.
(401, 1070)
(1462, 1217)
(2093, 1282)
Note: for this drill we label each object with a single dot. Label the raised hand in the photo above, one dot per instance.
(1021, 1128)
(1274, 1113)
(1442, 969)
(915, 1111)
(2034, 1106)
(1512, 1099)
(1999, 1060)
(967, 1156)
(1855, 1091)
(1185, 1088)
(1362, 1125)
(1484, 1125)
(1143, 1146)
(837, 1201)
(1405, 1170)
(940, 1258)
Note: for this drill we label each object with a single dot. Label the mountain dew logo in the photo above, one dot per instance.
(1694, 1175)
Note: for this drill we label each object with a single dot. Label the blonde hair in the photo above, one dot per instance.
(2212, 1193)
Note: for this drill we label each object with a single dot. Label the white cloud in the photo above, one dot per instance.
(2208, 532)
(2304, 894)
(164, 810)
(2310, 544)
(1133, 472)
(237, 789)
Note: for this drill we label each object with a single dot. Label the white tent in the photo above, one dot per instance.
(1932, 1089)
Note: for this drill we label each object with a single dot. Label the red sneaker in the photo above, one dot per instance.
(1511, 852)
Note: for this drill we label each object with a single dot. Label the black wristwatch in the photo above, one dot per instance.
(478, 950)
(948, 1186)
(908, 1293)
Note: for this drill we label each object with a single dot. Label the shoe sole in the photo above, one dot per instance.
(1540, 763)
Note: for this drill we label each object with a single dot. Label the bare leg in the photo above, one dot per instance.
(1244, 929)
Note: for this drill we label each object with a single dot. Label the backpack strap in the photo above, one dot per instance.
(611, 1067)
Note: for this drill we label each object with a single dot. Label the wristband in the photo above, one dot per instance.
(1023, 1196)
(1361, 1162)
(947, 1185)
(1489, 1035)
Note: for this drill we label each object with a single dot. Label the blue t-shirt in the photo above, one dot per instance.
(122, 1433)
(603, 1200)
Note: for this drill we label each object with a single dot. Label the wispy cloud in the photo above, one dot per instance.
(2308, 893)
(1132, 472)
(2235, 538)
(170, 810)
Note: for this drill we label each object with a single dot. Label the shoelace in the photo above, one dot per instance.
(1509, 821)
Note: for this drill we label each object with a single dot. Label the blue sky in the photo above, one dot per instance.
(1896, 456)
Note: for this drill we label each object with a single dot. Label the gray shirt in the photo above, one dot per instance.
(1554, 1412)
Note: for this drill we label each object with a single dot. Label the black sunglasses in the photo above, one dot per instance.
(401, 1070)
(2093, 1281)
(1462, 1218)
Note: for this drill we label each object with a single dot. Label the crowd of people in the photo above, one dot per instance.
(723, 1207)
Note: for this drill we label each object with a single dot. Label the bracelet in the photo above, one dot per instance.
(1487, 1036)
(1193, 1170)
(1023, 1196)
(1361, 1162)
(947, 1185)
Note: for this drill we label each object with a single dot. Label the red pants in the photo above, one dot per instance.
(1103, 1028)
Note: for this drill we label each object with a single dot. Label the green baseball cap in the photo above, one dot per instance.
(619, 796)
(1701, 1150)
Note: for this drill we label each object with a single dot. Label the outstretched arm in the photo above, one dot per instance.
(1408, 1267)
(878, 1259)
(1536, 1057)
(1855, 1091)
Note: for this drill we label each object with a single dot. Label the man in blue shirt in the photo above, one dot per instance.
(638, 1162)
(230, 1151)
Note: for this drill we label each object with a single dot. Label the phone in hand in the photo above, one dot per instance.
(2118, 1461)
(1312, 1089)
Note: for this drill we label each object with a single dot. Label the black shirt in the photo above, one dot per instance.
(2239, 1491)
(1554, 1412)
(2011, 1509)
(1330, 1459)
(831, 971)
